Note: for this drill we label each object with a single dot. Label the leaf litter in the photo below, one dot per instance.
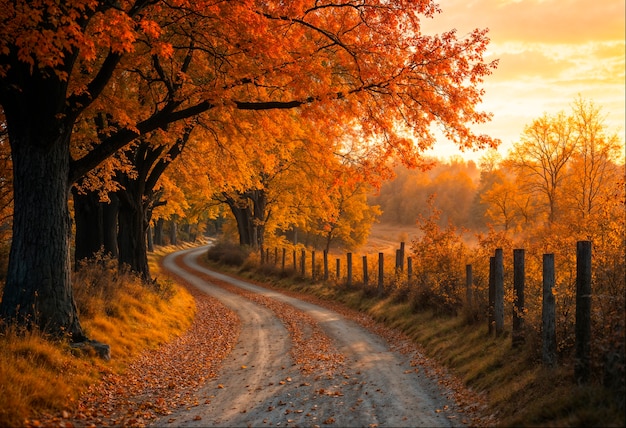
(160, 380)
(169, 377)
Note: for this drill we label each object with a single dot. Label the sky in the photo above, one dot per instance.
(550, 52)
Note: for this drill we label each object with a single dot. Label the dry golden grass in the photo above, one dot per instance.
(40, 376)
(37, 374)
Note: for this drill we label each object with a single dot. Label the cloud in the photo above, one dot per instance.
(545, 21)
(528, 65)
(550, 52)
(596, 62)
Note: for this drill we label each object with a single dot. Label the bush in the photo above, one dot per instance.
(228, 253)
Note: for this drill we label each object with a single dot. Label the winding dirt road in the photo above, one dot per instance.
(267, 380)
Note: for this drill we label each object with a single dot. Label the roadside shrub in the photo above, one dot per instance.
(438, 255)
(228, 253)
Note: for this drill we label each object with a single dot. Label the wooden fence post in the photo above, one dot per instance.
(295, 265)
(313, 264)
(518, 287)
(338, 269)
(498, 309)
(492, 294)
(583, 311)
(365, 276)
(381, 273)
(303, 262)
(325, 265)
(397, 262)
(401, 257)
(349, 262)
(469, 280)
(548, 314)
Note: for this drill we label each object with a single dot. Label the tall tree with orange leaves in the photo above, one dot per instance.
(365, 63)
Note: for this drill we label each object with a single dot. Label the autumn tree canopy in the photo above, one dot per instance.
(143, 65)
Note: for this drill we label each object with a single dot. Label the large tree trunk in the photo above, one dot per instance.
(249, 211)
(132, 228)
(38, 288)
(243, 217)
(259, 198)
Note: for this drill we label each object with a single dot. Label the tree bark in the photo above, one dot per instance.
(240, 207)
(150, 240)
(89, 237)
(158, 232)
(38, 288)
(96, 225)
(243, 217)
(132, 228)
(110, 211)
(173, 231)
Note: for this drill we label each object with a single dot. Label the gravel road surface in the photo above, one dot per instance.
(358, 380)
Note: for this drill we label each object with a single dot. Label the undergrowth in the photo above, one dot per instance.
(40, 376)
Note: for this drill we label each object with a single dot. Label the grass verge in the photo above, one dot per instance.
(41, 377)
(520, 391)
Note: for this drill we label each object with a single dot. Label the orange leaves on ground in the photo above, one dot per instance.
(469, 402)
(313, 350)
(161, 379)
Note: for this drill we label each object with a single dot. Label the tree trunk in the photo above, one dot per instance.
(158, 232)
(132, 227)
(150, 240)
(89, 237)
(96, 225)
(259, 198)
(38, 289)
(243, 217)
(110, 211)
(174, 232)
(240, 207)
(250, 212)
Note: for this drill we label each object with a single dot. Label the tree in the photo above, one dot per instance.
(594, 164)
(138, 198)
(350, 225)
(368, 64)
(6, 195)
(438, 254)
(540, 158)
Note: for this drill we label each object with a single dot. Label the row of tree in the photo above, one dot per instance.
(103, 96)
(567, 168)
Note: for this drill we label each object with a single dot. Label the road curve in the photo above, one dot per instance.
(259, 384)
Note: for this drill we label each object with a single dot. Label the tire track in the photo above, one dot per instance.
(261, 385)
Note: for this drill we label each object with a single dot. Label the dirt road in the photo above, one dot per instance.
(269, 379)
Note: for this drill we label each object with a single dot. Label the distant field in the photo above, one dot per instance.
(386, 238)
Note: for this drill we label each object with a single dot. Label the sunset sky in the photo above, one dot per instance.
(550, 51)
